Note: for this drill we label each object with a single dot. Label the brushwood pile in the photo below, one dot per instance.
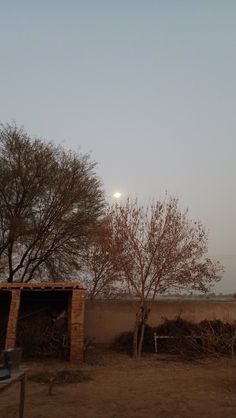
(189, 340)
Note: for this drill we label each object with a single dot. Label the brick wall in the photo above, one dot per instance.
(76, 325)
(12, 319)
(75, 321)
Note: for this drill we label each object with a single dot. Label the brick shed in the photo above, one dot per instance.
(12, 296)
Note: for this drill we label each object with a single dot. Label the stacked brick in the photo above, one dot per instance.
(13, 318)
(76, 325)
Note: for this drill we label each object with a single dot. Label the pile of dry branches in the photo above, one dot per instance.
(42, 337)
(207, 338)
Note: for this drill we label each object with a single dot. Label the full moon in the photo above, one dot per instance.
(117, 195)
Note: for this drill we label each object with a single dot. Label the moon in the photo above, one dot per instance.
(117, 195)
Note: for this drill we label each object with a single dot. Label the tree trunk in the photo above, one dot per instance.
(141, 335)
(135, 339)
(139, 328)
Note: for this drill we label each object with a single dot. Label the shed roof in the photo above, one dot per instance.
(41, 286)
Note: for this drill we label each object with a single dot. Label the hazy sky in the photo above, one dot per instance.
(148, 87)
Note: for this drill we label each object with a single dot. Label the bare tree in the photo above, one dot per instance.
(159, 249)
(100, 277)
(50, 199)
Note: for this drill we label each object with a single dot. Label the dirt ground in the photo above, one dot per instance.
(154, 387)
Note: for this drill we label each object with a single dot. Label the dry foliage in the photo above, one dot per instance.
(41, 337)
(158, 248)
(188, 340)
(98, 274)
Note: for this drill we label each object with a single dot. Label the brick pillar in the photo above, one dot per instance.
(12, 319)
(76, 325)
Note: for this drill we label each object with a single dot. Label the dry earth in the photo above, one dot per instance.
(154, 387)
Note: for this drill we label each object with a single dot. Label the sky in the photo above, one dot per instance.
(147, 88)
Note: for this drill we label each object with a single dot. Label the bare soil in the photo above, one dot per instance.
(154, 387)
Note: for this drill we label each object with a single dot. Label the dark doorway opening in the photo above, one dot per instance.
(42, 329)
(5, 301)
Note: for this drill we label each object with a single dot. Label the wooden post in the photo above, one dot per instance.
(76, 325)
(22, 396)
(12, 319)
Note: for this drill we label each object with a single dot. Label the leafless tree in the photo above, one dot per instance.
(98, 274)
(50, 200)
(159, 249)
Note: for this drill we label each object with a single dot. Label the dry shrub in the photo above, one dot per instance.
(61, 377)
(207, 338)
